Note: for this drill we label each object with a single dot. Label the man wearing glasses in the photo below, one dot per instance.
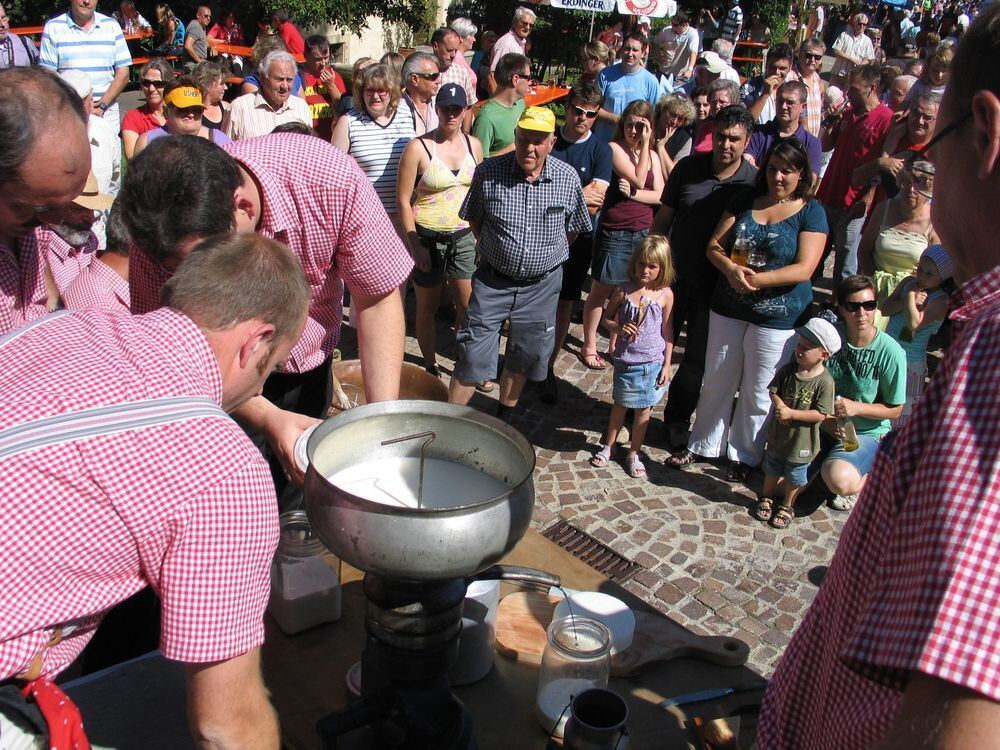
(515, 40)
(591, 158)
(852, 48)
(46, 169)
(806, 69)
(421, 81)
(900, 647)
(497, 118)
(676, 48)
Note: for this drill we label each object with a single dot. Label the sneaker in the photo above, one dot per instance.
(548, 389)
(843, 502)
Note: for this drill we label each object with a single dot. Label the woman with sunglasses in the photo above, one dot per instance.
(766, 247)
(898, 233)
(870, 373)
(153, 77)
(184, 107)
(434, 177)
(626, 217)
(375, 132)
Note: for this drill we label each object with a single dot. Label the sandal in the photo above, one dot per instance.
(843, 502)
(682, 460)
(602, 457)
(485, 386)
(782, 517)
(592, 361)
(738, 472)
(433, 370)
(763, 509)
(634, 466)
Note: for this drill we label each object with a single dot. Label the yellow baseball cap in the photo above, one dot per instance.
(538, 118)
(183, 97)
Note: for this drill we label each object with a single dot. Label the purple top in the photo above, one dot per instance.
(215, 136)
(648, 345)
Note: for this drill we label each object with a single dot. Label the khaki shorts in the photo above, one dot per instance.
(453, 256)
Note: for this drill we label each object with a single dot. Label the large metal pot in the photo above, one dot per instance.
(419, 544)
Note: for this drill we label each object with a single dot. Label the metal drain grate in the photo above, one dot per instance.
(599, 556)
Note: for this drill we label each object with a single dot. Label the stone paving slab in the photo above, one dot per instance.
(706, 562)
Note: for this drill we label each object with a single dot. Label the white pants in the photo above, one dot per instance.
(745, 357)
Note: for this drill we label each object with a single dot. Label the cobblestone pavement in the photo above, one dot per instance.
(706, 562)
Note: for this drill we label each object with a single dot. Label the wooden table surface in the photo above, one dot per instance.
(141, 704)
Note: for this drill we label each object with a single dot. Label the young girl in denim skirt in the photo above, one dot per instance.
(639, 313)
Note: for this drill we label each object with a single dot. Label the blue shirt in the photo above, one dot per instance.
(765, 136)
(591, 158)
(621, 89)
(779, 307)
(98, 52)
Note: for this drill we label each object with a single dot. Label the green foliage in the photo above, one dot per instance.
(774, 13)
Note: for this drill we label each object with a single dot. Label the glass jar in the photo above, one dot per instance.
(577, 657)
(305, 577)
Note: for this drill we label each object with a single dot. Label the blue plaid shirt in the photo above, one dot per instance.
(524, 224)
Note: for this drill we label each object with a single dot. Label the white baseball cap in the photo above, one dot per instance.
(822, 333)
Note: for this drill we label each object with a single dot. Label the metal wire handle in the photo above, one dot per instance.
(431, 436)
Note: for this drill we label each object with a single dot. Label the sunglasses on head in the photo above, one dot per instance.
(853, 307)
(588, 113)
(429, 76)
(157, 84)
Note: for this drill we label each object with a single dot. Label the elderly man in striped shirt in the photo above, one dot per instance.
(86, 40)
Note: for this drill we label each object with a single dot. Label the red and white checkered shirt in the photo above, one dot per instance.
(65, 261)
(317, 201)
(915, 582)
(23, 294)
(185, 507)
(98, 287)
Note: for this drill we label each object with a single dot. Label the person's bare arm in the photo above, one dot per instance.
(939, 715)
(406, 180)
(594, 192)
(116, 87)
(663, 220)
(380, 341)
(735, 274)
(801, 269)
(140, 144)
(341, 135)
(866, 249)
(279, 427)
(228, 706)
(846, 407)
(129, 139)
(603, 114)
(771, 84)
(330, 91)
(189, 48)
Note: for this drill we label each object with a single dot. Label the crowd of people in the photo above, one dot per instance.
(210, 283)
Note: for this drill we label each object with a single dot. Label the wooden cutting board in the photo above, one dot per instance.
(524, 616)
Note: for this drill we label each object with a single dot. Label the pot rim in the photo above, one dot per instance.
(435, 408)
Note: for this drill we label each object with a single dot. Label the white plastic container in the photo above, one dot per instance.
(305, 578)
(477, 643)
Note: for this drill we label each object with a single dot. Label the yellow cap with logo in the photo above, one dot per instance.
(183, 97)
(538, 118)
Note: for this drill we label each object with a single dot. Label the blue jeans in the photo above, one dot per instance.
(845, 233)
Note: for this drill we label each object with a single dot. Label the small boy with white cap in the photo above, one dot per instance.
(802, 393)
(916, 309)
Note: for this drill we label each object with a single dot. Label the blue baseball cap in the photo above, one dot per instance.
(451, 95)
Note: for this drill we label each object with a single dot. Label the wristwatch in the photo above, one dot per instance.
(103, 106)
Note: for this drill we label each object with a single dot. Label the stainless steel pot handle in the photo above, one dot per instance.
(530, 578)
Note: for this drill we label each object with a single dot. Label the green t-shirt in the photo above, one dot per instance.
(798, 443)
(873, 374)
(495, 123)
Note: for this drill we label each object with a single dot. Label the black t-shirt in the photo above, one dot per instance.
(699, 198)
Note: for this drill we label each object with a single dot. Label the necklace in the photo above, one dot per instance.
(784, 200)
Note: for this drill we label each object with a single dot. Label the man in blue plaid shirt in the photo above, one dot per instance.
(524, 210)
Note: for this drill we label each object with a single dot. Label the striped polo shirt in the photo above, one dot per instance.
(98, 52)
(378, 148)
(734, 19)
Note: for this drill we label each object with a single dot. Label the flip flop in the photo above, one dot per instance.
(602, 457)
(485, 386)
(635, 468)
(586, 359)
(782, 517)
